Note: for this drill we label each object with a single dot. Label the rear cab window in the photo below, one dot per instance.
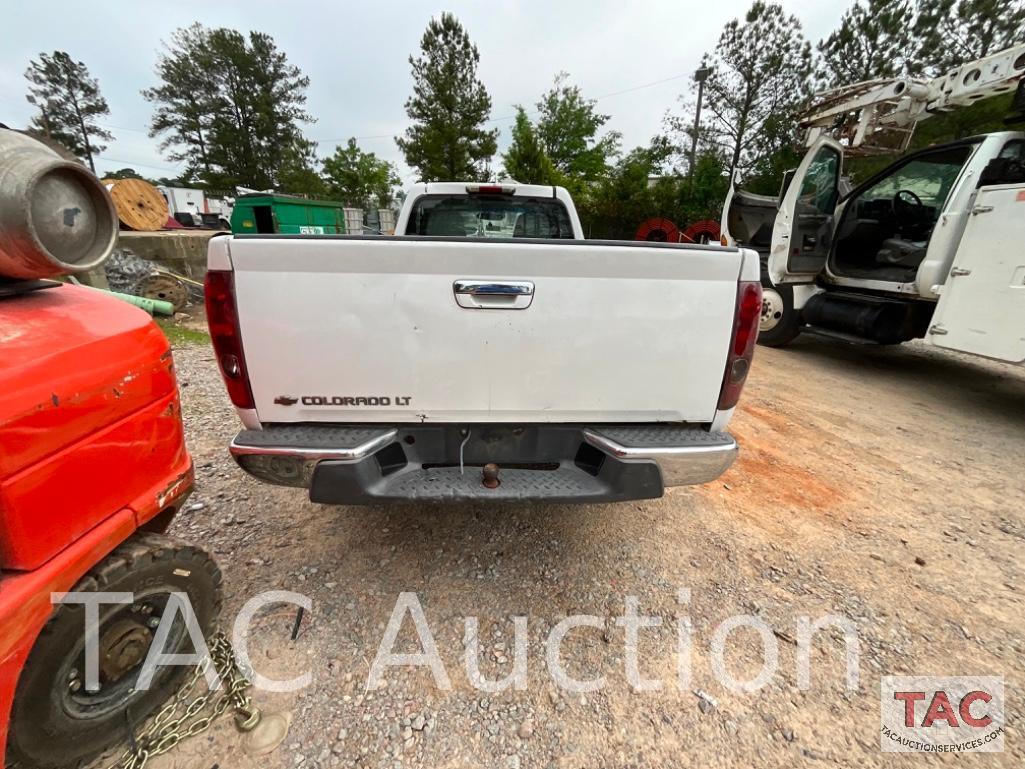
(489, 216)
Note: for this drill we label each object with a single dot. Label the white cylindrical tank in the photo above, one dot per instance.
(55, 216)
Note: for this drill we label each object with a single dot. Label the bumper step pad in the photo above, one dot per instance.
(420, 463)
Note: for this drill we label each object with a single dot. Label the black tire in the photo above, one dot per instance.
(53, 727)
(779, 323)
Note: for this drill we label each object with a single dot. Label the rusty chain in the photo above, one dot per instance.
(172, 724)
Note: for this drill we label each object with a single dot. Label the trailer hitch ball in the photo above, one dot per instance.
(490, 476)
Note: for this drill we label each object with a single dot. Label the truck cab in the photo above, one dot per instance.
(877, 263)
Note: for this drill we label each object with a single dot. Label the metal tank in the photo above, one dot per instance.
(55, 216)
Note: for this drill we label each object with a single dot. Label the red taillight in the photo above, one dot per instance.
(742, 345)
(222, 318)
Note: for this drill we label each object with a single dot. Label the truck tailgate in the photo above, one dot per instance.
(351, 329)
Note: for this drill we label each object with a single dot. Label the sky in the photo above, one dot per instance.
(636, 57)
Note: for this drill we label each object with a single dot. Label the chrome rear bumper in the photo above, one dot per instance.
(564, 463)
(685, 455)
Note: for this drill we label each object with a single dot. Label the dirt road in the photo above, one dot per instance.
(884, 485)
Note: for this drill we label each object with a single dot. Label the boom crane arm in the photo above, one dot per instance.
(879, 116)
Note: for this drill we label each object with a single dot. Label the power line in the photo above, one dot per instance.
(606, 95)
(109, 159)
(123, 128)
(646, 85)
(357, 138)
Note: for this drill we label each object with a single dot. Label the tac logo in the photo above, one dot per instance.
(928, 714)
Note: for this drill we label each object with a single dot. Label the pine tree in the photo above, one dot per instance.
(525, 160)
(297, 169)
(760, 75)
(952, 32)
(240, 123)
(449, 107)
(185, 101)
(69, 100)
(874, 40)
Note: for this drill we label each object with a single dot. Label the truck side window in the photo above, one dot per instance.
(929, 176)
(820, 187)
(1008, 167)
(1013, 150)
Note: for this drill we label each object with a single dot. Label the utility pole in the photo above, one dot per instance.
(699, 77)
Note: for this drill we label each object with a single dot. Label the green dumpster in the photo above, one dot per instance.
(287, 214)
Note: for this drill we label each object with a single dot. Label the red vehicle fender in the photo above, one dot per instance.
(25, 596)
(92, 448)
(25, 601)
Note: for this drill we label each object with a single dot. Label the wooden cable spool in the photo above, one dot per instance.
(139, 204)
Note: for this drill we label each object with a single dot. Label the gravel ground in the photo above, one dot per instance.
(880, 484)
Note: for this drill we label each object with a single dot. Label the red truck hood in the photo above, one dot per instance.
(72, 361)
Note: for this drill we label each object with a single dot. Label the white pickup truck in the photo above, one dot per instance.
(486, 351)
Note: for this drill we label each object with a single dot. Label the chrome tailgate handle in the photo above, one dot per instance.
(493, 295)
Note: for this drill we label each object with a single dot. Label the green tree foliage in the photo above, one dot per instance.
(124, 173)
(568, 131)
(69, 101)
(951, 32)
(617, 204)
(297, 170)
(360, 178)
(764, 175)
(874, 40)
(230, 106)
(635, 190)
(525, 160)
(702, 196)
(760, 75)
(183, 115)
(449, 107)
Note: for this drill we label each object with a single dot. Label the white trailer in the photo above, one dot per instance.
(185, 200)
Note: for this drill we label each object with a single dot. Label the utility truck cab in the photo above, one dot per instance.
(930, 247)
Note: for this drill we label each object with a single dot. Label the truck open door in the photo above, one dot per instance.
(982, 305)
(803, 229)
(747, 219)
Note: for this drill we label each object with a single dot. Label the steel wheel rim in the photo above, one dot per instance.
(772, 309)
(78, 703)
